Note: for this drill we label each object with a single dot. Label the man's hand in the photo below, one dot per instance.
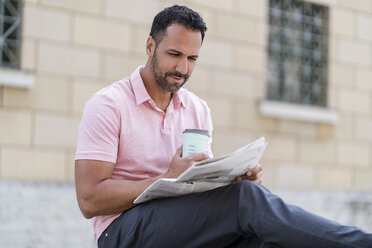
(179, 164)
(254, 175)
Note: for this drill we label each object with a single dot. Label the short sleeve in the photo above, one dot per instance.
(99, 130)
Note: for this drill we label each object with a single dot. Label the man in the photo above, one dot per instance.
(131, 134)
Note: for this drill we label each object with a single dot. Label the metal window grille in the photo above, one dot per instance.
(298, 51)
(10, 32)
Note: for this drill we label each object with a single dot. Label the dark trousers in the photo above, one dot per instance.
(242, 214)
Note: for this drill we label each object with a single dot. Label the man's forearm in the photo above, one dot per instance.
(116, 196)
(112, 196)
(99, 194)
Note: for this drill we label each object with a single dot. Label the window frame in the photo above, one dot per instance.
(299, 111)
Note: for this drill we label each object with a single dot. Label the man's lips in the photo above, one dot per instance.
(178, 80)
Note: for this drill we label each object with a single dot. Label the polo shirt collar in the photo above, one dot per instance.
(141, 95)
(139, 90)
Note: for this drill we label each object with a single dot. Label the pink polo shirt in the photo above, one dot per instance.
(121, 124)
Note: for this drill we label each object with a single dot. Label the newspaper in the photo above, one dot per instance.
(207, 174)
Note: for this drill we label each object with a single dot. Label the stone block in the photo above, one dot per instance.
(117, 67)
(363, 26)
(363, 128)
(295, 177)
(237, 84)
(362, 180)
(355, 154)
(335, 178)
(225, 142)
(91, 6)
(222, 111)
(15, 127)
(360, 5)
(141, 35)
(70, 166)
(248, 117)
(355, 101)
(252, 8)
(82, 90)
(342, 21)
(28, 54)
(344, 128)
(333, 48)
(200, 81)
(216, 53)
(354, 52)
(317, 151)
(68, 60)
(297, 128)
(281, 148)
(99, 32)
(46, 23)
(250, 58)
(332, 97)
(142, 11)
(32, 164)
(231, 27)
(341, 75)
(363, 78)
(56, 130)
(215, 4)
(210, 18)
(325, 131)
(49, 93)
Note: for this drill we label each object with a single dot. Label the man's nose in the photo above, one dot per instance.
(182, 66)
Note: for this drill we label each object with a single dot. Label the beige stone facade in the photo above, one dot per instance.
(75, 47)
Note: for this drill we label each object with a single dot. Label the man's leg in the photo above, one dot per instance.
(197, 220)
(284, 225)
(220, 217)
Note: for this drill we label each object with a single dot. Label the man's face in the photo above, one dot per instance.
(175, 56)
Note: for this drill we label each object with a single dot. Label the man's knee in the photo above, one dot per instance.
(249, 187)
(251, 191)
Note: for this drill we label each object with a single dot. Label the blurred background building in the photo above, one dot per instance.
(297, 72)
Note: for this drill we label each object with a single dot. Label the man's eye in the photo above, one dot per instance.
(174, 54)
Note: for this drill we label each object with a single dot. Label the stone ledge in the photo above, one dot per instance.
(298, 112)
(346, 207)
(47, 214)
(16, 78)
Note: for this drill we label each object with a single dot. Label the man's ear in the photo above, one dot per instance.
(150, 46)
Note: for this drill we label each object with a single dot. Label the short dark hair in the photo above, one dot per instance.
(176, 14)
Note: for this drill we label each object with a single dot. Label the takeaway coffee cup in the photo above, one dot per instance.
(194, 141)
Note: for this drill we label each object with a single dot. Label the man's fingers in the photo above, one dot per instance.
(259, 175)
(179, 151)
(198, 156)
(256, 169)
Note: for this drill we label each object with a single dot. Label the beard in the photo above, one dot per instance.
(161, 78)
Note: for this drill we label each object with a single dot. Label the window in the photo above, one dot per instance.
(10, 33)
(297, 52)
(10, 46)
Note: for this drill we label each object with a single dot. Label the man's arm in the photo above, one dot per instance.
(99, 194)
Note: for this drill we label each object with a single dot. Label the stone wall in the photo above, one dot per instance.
(45, 215)
(75, 48)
